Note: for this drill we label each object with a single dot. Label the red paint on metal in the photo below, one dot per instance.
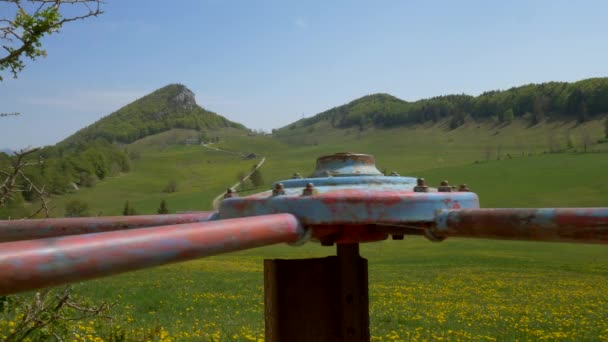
(579, 218)
(16, 230)
(372, 197)
(347, 234)
(27, 265)
(588, 225)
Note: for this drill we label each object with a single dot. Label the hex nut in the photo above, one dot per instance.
(421, 186)
(463, 188)
(445, 187)
(279, 189)
(309, 190)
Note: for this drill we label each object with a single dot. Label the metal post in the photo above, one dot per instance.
(354, 293)
(323, 299)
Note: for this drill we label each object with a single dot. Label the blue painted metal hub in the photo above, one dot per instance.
(354, 194)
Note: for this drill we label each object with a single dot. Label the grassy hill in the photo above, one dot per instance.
(168, 116)
(533, 103)
(422, 150)
(172, 106)
(460, 289)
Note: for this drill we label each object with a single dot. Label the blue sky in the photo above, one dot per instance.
(268, 63)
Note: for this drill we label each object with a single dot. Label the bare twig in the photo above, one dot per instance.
(42, 195)
(9, 185)
(53, 308)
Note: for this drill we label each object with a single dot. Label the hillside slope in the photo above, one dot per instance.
(429, 151)
(172, 106)
(534, 103)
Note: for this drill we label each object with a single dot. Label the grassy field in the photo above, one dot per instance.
(427, 151)
(457, 290)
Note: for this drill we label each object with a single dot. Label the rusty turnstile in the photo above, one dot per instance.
(345, 202)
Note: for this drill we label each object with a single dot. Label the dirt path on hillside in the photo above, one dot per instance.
(220, 150)
(218, 198)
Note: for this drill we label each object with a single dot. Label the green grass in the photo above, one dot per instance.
(200, 175)
(455, 290)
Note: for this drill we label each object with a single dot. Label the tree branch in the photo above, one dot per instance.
(25, 30)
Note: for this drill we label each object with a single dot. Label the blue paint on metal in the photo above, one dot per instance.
(214, 217)
(397, 183)
(441, 219)
(355, 205)
(346, 164)
(544, 217)
(591, 212)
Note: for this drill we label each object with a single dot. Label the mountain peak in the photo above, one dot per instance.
(172, 106)
(184, 97)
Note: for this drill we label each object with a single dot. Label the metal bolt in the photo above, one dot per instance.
(309, 190)
(395, 174)
(278, 190)
(297, 175)
(463, 188)
(421, 186)
(444, 187)
(230, 193)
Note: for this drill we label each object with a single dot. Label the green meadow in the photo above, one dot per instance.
(456, 290)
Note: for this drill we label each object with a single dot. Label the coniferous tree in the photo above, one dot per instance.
(256, 178)
(128, 210)
(163, 209)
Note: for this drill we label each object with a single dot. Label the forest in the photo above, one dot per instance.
(58, 170)
(579, 101)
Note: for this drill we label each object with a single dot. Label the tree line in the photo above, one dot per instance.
(579, 101)
(61, 170)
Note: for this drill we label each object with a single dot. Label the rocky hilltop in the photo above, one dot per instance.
(173, 106)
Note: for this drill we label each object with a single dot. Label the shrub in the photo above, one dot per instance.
(128, 210)
(170, 187)
(76, 208)
(163, 209)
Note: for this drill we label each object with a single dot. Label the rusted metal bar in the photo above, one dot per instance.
(31, 264)
(586, 225)
(16, 230)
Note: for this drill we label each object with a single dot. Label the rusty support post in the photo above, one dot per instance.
(354, 293)
(323, 299)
